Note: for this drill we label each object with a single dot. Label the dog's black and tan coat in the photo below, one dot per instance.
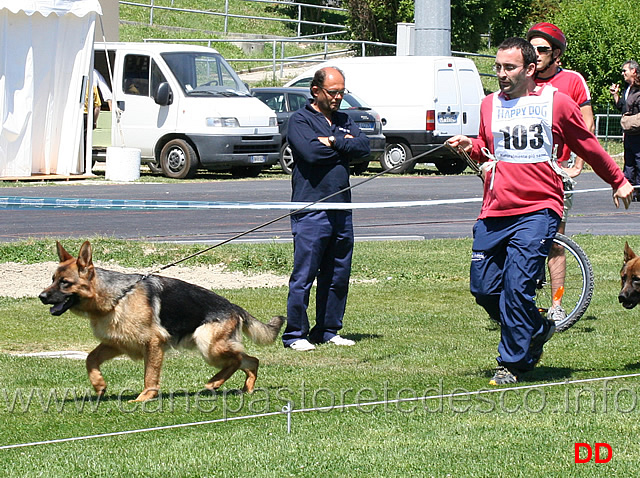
(142, 316)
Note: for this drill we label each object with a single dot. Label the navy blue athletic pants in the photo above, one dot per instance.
(509, 255)
(323, 246)
(632, 160)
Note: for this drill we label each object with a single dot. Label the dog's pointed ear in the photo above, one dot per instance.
(628, 253)
(85, 260)
(63, 255)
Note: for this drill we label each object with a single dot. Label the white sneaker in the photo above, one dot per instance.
(557, 313)
(337, 340)
(302, 345)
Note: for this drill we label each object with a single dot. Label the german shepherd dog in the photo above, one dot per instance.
(142, 316)
(630, 274)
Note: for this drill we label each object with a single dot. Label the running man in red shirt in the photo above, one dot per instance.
(520, 127)
(550, 43)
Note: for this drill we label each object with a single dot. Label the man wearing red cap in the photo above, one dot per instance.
(550, 43)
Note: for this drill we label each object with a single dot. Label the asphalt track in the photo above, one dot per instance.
(593, 212)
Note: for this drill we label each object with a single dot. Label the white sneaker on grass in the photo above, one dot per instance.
(302, 345)
(337, 340)
(557, 313)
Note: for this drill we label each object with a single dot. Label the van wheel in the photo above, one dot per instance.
(451, 165)
(397, 155)
(286, 158)
(178, 160)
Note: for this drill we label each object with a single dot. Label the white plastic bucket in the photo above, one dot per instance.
(123, 164)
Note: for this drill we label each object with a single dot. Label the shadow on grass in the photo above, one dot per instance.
(129, 395)
(632, 366)
(589, 317)
(360, 337)
(548, 374)
(542, 374)
(167, 394)
(490, 325)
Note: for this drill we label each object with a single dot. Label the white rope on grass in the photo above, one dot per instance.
(289, 410)
(140, 430)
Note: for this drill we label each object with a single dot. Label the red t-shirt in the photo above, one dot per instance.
(570, 83)
(525, 188)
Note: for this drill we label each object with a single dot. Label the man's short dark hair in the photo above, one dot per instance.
(528, 52)
(321, 75)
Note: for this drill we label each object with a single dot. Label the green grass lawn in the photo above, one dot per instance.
(418, 332)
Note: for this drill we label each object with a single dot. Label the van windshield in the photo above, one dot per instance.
(205, 74)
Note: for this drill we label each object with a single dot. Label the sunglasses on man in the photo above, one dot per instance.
(542, 49)
(334, 93)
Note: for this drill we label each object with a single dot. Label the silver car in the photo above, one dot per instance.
(286, 100)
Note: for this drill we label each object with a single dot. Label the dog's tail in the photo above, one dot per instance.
(259, 332)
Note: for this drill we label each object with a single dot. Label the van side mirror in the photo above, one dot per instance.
(164, 95)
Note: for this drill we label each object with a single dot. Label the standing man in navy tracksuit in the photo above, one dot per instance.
(323, 141)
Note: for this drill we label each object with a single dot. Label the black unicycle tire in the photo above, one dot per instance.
(579, 284)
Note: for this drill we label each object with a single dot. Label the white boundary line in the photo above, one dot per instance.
(287, 410)
(15, 202)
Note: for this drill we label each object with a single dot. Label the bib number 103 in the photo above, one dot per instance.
(522, 137)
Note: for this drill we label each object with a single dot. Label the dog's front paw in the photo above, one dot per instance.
(100, 387)
(248, 390)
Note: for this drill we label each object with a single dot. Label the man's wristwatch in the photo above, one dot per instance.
(332, 141)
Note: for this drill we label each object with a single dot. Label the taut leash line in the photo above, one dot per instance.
(291, 213)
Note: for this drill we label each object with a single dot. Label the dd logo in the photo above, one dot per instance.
(598, 447)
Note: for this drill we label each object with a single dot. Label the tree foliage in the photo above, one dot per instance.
(510, 19)
(601, 36)
(376, 20)
(469, 20)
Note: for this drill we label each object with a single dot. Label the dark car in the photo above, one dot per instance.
(285, 100)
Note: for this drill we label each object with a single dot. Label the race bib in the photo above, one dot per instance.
(521, 127)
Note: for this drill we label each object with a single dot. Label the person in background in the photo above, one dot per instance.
(629, 103)
(103, 88)
(97, 104)
(96, 111)
(523, 199)
(550, 43)
(323, 141)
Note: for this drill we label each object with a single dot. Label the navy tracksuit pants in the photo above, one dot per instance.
(323, 246)
(509, 255)
(632, 160)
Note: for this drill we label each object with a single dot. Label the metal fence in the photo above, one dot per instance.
(278, 56)
(299, 21)
(608, 125)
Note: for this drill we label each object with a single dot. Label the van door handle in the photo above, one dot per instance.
(121, 105)
(464, 117)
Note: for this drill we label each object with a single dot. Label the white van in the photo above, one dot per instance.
(423, 101)
(185, 108)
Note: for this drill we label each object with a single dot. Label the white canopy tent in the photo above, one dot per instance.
(46, 51)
